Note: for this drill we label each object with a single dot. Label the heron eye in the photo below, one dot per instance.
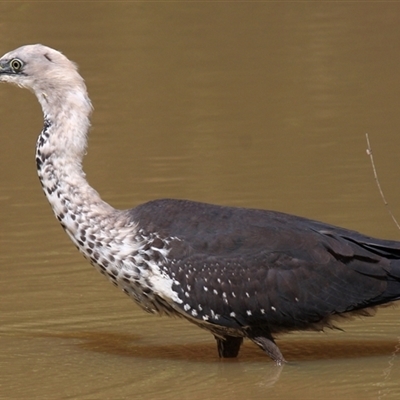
(16, 64)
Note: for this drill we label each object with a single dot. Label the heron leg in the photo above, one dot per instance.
(267, 343)
(228, 346)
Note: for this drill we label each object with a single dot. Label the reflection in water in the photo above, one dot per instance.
(387, 373)
(129, 345)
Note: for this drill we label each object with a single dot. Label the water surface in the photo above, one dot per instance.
(249, 104)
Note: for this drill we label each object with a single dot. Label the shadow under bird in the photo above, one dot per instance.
(236, 272)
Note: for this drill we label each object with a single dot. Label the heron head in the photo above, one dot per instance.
(39, 68)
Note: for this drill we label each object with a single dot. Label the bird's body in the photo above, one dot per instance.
(236, 272)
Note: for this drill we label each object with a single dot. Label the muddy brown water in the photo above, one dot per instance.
(249, 104)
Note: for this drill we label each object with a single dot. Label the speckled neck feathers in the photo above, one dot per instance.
(59, 152)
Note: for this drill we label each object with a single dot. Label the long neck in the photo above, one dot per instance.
(59, 152)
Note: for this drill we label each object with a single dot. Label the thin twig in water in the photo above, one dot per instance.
(388, 370)
(369, 152)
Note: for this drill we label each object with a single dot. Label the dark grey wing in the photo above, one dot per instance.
(285, 289)
(239, 267)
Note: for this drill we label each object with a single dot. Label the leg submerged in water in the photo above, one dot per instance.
(228, 346)
(267, 343)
